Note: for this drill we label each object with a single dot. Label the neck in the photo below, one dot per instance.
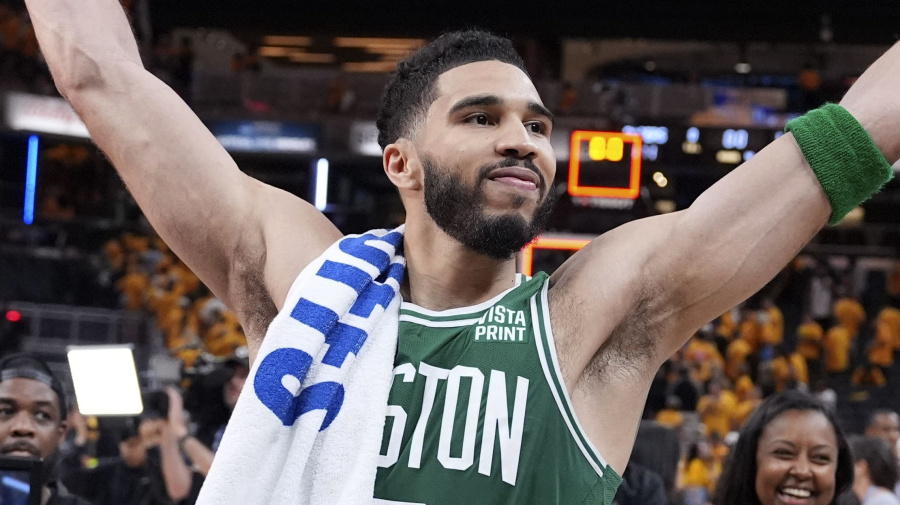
(861, 485)
(443, 274)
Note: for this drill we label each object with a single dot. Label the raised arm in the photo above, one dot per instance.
(247, 241)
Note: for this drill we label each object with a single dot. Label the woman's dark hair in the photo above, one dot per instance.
(878, 456)
(737, 485)
(411, 90)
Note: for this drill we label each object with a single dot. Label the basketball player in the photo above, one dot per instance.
(506, 389)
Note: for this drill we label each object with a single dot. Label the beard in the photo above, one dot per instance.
(458, 210)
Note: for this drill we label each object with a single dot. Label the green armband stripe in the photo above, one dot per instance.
(843, 156)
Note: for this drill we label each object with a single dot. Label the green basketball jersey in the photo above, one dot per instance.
(478, 412)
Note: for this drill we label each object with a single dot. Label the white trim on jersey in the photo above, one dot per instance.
(539, 336)
(551, 344)
(437, 324)
(461, 310)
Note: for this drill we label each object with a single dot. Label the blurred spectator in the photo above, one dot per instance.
(702, 356)
(746, 407)
(772, 333)
(150, 468)
(686, 390)
(717, 409)
(738, 351)
(698, 479)
(810, 336)
(211, 399)
(882, 347)
(821, 294)
(640, 486)
(825, 394)
(750, 329)
(875, 468)
(884, 424)
(787, 428)
(837, 350)
(888, 321)
(850, 314)
(32, 424)
(671, 416)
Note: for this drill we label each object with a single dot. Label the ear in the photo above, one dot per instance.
(63, 426)
(402, 165)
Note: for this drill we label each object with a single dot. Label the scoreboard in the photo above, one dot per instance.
(607, 165)
(727, 147)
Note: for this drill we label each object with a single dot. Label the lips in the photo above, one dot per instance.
(21, 449)
(517, 177)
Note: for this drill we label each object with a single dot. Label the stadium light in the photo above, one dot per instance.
(30, 179)
(105, 380)
(321, 198)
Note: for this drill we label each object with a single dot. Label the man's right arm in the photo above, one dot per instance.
(247, 241)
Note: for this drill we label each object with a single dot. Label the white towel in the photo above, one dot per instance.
(307, 428)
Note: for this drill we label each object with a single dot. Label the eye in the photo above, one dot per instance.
(783, 453)
(536, 127)
(43, 416)
(6, 410)
(480, 119)
(822, 459)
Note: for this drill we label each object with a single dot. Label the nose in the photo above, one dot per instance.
(802, 469)
(23, 425)
(515, 141)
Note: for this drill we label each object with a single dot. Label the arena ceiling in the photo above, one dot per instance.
(856, 21)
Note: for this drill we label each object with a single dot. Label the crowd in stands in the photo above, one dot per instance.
(710, 388)
(192, 321)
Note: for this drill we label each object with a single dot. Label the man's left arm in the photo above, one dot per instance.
(738, 234)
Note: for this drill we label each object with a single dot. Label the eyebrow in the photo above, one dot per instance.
(493, 101)
(793, 445)
(39, 403)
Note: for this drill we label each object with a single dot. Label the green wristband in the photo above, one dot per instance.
(845, 159)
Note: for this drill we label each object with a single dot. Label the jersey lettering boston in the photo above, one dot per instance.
(489, 421)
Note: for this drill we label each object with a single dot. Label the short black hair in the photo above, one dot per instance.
(31, 367)
(879, 457)
(737, 485)
(412, 87)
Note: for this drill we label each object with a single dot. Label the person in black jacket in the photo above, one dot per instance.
(640, 486)
(32, 423)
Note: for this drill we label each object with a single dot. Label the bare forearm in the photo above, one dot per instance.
(199, 455)
(176, 473)
(80, 39)
(742, 231)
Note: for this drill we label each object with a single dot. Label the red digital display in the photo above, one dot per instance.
(608, 151)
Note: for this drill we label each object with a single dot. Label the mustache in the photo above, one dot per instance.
(21, 445)
(511, 161)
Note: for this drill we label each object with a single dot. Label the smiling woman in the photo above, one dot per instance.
(790, 452)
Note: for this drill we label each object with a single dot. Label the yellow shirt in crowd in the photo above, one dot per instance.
(716, 413)
(837, 349)
(810, 337)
